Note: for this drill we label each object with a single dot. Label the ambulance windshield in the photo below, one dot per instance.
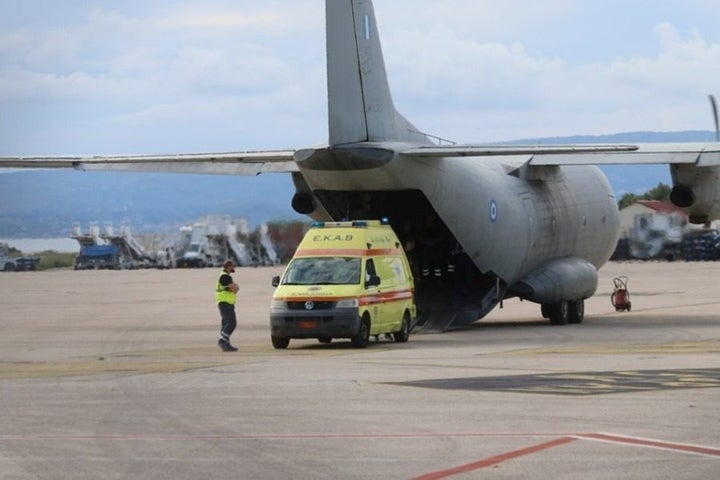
(323, 271)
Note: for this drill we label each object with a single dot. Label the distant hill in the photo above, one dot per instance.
(628, 137)
(45, 203)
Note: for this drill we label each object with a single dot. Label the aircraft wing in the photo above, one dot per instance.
(699, 154)
(229, 163)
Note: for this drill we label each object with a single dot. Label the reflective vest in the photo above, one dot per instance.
(222, 294)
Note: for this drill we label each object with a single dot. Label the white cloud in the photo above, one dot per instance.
(161, 76)
(219, 20)
(549, 95)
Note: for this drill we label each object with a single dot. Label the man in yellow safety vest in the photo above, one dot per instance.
(225, 291)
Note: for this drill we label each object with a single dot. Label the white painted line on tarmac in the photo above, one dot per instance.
(650, 443)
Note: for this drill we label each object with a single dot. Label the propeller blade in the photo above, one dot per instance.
(713, 103)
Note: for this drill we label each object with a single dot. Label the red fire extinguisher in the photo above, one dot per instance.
(620, 298)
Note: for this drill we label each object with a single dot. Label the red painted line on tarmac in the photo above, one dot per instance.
(488, 462)
(643, 442)
(564, 438)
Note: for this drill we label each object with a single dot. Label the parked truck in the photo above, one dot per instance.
(96, 257)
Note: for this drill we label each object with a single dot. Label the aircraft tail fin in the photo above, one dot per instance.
(360, 106)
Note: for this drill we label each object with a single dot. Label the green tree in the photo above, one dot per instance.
(10, 251)
(626, 200)
(660, 192)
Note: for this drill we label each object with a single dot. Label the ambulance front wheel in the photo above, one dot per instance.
(280, 343)
(404, 333)
(362, 338)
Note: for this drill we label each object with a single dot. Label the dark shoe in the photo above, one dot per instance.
(225, 345)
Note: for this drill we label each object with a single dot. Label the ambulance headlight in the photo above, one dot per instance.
(277, 304)
(347, 303)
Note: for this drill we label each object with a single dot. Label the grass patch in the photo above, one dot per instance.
(50, 259)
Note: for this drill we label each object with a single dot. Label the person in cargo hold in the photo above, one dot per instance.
(225, 291)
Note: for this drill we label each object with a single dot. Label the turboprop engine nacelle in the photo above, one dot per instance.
(303, 201)
(560, 279)
(697, 191)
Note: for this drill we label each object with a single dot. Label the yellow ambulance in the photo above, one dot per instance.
(346, 280)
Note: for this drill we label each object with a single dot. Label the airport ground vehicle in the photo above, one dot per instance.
(16, 264)
(26, 264)
(346, 280)
(96, 257)
(7, 264)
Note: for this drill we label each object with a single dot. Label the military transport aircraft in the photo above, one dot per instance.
(481, 223)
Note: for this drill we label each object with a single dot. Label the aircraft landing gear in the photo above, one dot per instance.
(576, 311)
(558, 312)
(564, 311)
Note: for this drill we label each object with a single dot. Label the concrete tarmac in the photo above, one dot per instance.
(117, 374)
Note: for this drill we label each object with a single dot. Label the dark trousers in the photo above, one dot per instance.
(229, 321)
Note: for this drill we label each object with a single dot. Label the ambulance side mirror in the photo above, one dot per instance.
(275, 280)
(373, 281)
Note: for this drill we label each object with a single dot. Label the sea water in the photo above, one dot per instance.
(35, 245)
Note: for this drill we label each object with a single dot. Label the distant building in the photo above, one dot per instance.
(627, 214)
(652, 229)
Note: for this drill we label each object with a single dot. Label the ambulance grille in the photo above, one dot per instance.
(315, 305)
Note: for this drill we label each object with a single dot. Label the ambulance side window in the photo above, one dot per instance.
(386, 269)
(371, 278)
(398, 270)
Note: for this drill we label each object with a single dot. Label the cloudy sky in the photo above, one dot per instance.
(161, 76)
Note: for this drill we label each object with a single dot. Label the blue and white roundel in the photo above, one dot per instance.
(493, 211)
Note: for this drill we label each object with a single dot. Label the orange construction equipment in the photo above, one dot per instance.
(620, 298)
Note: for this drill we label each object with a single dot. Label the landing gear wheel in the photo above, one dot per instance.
(362, 338)
(576, 311)
(280, 343)
(559, 313)
(325, 339)
(404, 333)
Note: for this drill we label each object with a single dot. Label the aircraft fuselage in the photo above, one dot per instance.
(511, 222)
